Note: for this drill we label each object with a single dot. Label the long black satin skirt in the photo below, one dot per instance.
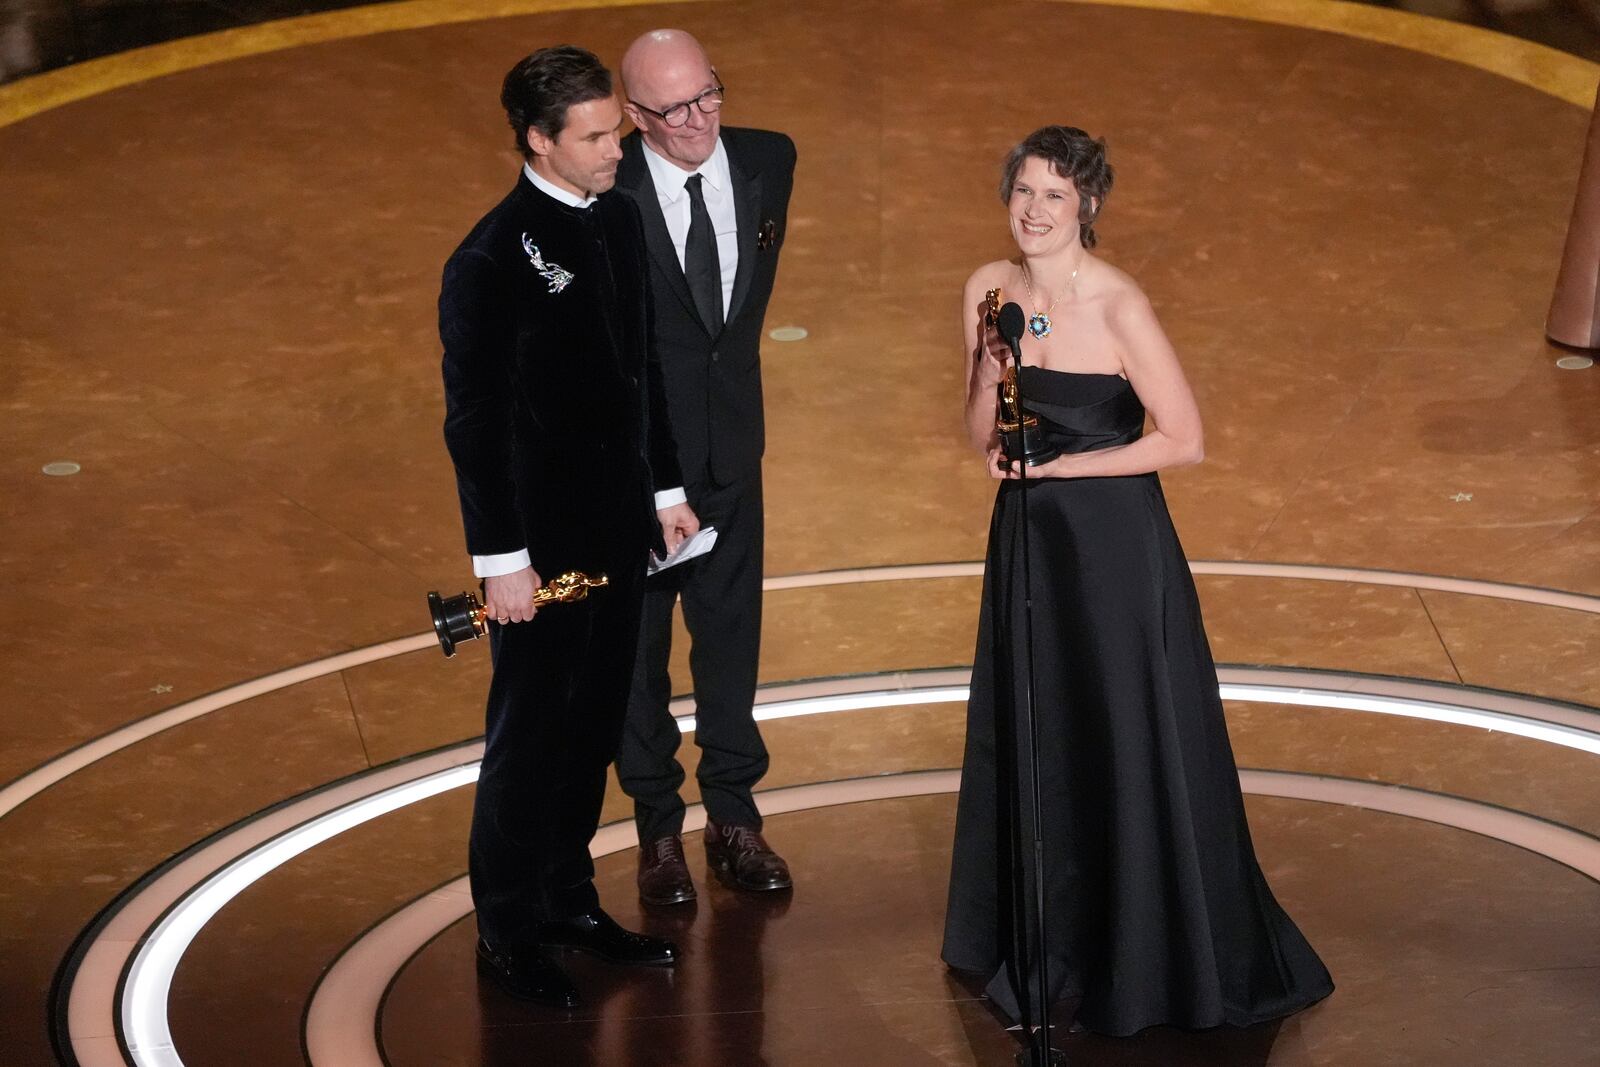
(1156, 909)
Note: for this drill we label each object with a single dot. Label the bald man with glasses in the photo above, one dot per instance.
(715, 203)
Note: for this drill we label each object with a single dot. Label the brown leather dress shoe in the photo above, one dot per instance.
(663, 874)
(741, 858)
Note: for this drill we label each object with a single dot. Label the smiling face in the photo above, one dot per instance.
(1043, 210)
(583, 157)
(661, 70)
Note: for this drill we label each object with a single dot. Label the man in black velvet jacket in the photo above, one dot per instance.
(715, 203)
(557, 425)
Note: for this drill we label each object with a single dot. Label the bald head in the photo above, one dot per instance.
(662, 55)
(661, 70)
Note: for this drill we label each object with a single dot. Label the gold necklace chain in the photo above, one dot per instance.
(1039, 324)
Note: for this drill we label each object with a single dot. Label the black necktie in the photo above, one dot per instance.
(702, 268)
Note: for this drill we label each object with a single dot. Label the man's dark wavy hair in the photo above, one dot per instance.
(1071, 154)
(540, 88)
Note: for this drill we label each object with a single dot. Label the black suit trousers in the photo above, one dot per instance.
(721, 595)
(555, 713)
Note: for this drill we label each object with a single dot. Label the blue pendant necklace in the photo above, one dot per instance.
(1039, 321)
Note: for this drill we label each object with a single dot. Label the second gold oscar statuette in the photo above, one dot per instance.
(462, 618)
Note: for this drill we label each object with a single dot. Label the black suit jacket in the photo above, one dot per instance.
(555, 414)
(713, 376)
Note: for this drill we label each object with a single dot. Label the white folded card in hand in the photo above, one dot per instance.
(698, 545)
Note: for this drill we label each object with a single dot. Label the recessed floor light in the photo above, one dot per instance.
(1574, 362)
(61, 468)
(788, 333)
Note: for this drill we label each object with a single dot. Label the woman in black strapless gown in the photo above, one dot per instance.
(1157, 911)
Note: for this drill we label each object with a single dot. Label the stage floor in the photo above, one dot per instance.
(217, 283)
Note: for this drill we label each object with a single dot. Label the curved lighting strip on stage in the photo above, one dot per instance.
(1311, 572)
(139, 946)
(42, 92)
(342, 1023)
(44, 776)
(149, 978)
(1566, 77)
(170, 901)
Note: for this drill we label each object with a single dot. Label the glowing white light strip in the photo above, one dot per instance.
(149, 979)
(144, 1004)
(339, 1030)
(1459, 715)
(883, 698)
(48, 774)
(342, 1021)
(784, 709)
(1408, 707)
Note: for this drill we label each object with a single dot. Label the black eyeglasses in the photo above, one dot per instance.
(709, 103)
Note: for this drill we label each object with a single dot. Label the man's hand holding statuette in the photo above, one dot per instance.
(509, 597)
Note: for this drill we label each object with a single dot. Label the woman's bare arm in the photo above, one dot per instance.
(985, 355)
(1176, 438)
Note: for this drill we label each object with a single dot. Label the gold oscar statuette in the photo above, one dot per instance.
(1018, 432)
(462, 618)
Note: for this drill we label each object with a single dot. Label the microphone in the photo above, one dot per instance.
(1019, 442)
(1010, 324)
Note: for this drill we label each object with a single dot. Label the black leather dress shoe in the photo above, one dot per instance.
(741, 857)
(527, 975)
(663, 874)
(598, 934)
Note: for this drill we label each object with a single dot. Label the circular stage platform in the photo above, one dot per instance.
(240, 773)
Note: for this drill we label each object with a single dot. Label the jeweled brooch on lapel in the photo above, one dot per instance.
(767, 236)
(558, 277)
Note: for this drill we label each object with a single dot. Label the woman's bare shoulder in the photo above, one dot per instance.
(1122, 295)
(990, 275)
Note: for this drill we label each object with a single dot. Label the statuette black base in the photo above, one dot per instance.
(457, 619)
(1027, 444)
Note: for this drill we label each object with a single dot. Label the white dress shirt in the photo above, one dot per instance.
(551, 189)
(669, 179)
(510, 562)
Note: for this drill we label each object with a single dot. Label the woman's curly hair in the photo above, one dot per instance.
(1071, 154)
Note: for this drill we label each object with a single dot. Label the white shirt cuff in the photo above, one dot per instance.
(669, 498)
(504, 563)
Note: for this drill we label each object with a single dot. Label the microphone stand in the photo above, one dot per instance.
(1038, 1052)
